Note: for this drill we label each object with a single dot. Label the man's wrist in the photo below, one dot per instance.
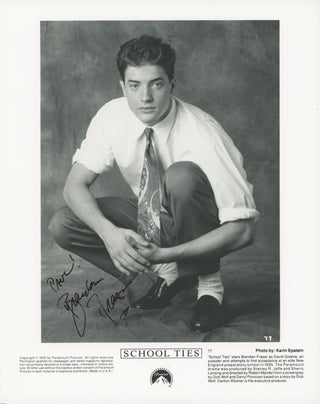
(168, 254)
(105, 229)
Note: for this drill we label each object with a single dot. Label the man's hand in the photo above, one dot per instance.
(126, 258)
(78, 197)
(151, 251)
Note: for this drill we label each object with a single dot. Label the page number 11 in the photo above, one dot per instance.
(267, 337)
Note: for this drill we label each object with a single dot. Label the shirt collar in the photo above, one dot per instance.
(162, 129)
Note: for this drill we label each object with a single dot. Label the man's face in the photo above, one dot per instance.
(148, 91)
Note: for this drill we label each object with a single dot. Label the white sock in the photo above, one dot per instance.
(168, 271)
(211, 285)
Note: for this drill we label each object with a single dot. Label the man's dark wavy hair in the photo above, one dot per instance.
(146, 50)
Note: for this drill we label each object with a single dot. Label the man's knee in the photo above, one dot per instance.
(182, 178)
(59, 227)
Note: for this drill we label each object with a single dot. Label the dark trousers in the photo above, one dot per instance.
(191, 211)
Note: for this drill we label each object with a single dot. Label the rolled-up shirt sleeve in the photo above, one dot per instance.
(95, 151)
(223, 164)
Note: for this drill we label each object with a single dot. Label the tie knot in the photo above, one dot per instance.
(148, 132)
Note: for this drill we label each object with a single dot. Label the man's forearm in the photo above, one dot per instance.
(219, 242)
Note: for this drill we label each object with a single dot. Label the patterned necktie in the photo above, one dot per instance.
(149, 194)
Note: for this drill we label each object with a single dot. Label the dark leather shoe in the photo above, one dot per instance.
(208, 314)
(160, 295)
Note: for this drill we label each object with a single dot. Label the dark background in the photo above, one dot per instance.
(230, 69)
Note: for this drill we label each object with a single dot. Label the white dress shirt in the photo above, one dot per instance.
(185, 134)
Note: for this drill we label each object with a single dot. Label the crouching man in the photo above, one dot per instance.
(193, 204)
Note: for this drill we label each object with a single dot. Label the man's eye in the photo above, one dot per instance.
(134, 86)
(158, 84)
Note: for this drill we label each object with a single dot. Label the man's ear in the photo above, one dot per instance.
(173, 83)
(123, 87)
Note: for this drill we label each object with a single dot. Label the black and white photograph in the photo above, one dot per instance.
(160, 181)
(160, 202)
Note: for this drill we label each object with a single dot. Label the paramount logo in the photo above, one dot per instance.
(161, 377)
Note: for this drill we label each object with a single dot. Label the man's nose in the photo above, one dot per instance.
(146, 94)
